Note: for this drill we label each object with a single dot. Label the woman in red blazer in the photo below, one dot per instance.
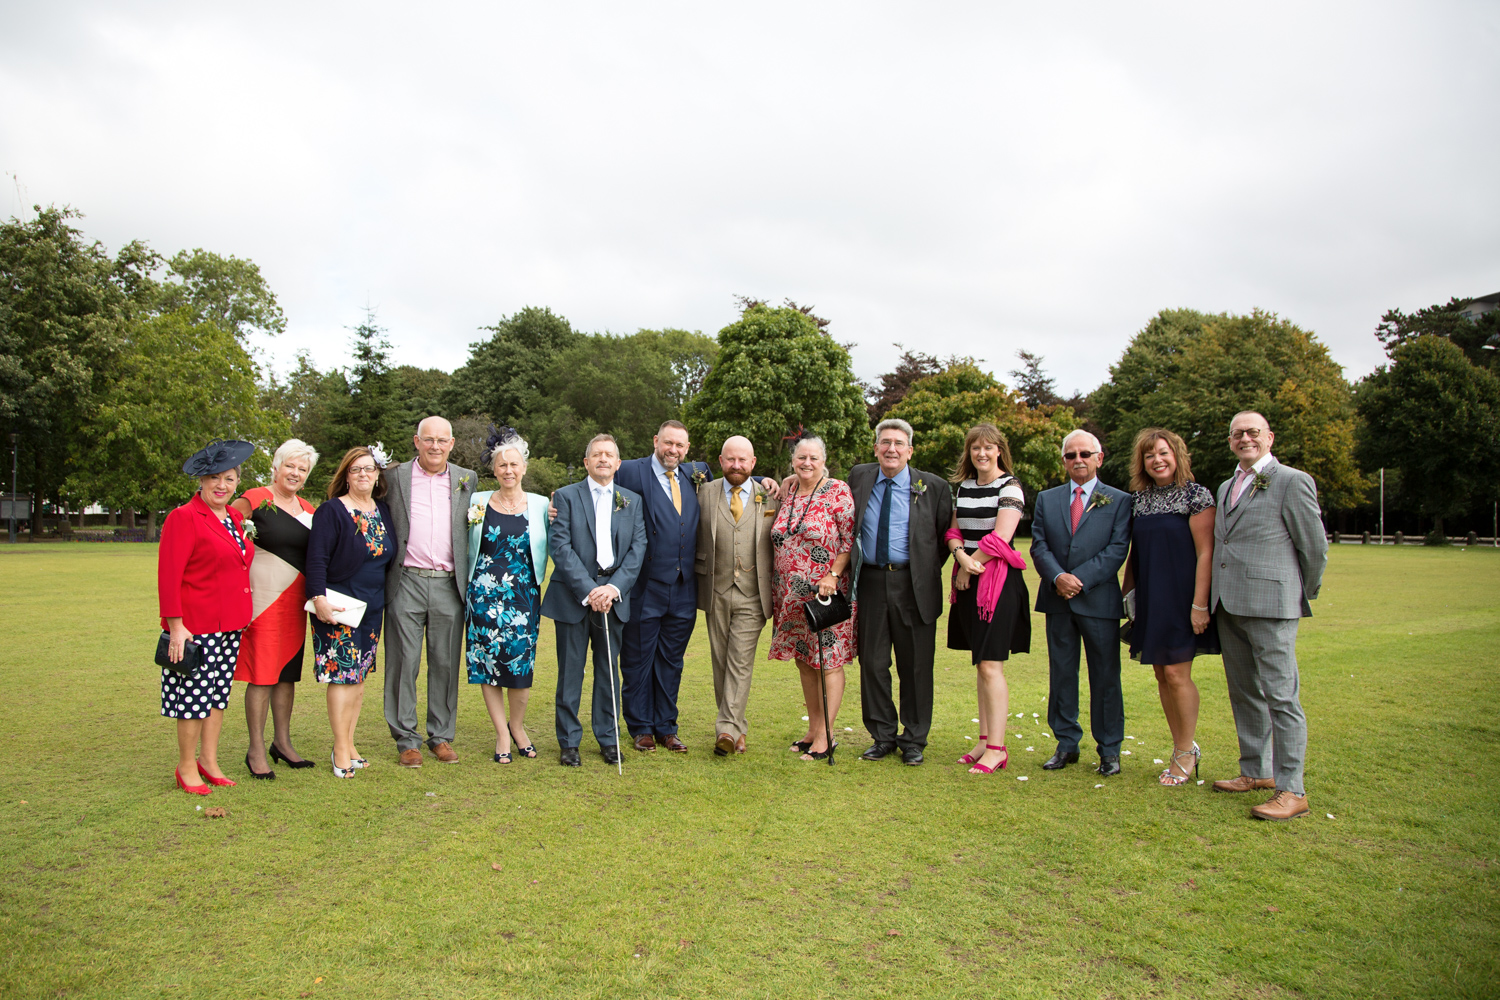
(203, 585)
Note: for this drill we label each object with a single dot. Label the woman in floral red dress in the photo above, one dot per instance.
(813, 536)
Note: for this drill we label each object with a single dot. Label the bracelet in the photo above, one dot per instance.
(1196, 608)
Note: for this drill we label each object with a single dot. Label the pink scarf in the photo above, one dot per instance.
(992, 580)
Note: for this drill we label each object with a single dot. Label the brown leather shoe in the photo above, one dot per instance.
(739, 744)
(646, 743)
(673, 744)
(1282, 805)
(1244, 783)
(444, 753)
(411, 758)
(724, 745)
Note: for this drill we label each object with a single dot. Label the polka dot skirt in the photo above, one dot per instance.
(208, 687)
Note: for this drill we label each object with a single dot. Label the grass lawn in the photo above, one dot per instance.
(758, 876)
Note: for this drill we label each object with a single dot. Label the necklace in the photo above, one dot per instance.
(505, 506)
(286, 503)
(794, 526)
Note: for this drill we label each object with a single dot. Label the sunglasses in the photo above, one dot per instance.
(1071, 455)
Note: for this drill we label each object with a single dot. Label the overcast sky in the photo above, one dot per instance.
(966, 178)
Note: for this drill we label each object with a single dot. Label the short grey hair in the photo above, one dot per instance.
(811, 439)
(588, 449)
(514, 443)
(294, 448)
(898, 424)
(1080, 432)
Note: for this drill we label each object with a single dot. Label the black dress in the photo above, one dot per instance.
(1166, 567)
(1009, 631)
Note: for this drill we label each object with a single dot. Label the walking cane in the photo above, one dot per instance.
(614, 705)
(823, 683)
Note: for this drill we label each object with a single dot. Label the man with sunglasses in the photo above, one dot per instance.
(1269, 556)
(1080, 535)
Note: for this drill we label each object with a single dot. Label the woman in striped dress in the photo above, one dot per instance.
(990, 618)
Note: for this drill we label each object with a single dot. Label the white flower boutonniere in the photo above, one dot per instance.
(248, 527)
(1100, 499)
(476, 513)
(620, 502)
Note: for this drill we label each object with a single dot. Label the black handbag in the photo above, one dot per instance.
(192, 656)
(826, 612)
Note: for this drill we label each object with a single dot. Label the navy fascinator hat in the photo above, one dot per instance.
(218, 456)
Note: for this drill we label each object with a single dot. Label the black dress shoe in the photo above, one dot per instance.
(569, 757)
(611, 754)
(911, 756)
(877, 751)
(1060, 760)
(1109, 766)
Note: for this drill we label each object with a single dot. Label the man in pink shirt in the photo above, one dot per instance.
(423, 593)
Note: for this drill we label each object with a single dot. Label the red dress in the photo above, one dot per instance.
(808, 534)
(275, 637)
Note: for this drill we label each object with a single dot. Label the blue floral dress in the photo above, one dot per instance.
(504, 601)
(343, 654)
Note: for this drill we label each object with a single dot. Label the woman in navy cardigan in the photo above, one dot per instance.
(350, 545)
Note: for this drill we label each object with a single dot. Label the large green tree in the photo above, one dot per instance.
(226, 291)
(1479, 339)
(1435, 416)
(942, 408)
(504, 376)
(778, 373)
(1191, 372)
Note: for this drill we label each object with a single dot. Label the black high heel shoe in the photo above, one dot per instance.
(282, 758)
(262, 775)
(528, 751)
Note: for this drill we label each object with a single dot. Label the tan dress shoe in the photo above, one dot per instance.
(724, 745)
(1244, 783)
(739, 744)
(444, 753)
(1282, 805)
(411, 758)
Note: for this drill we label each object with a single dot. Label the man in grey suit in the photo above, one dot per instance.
(900, 517)
(733, 565)
(1080, 535)
(598, 543)
(424, 594)
(1269, 556)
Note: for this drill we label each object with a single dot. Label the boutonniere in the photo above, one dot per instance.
(247, 527)
(1260, 482)
(267, 505)
(699, 477)
(464, 483)
(620, 502)
(1100, 499)
(918, 487)
(758, 496)
(476, 513)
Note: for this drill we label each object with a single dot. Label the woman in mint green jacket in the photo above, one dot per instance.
(507, 562)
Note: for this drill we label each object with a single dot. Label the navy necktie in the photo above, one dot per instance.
(883, 533)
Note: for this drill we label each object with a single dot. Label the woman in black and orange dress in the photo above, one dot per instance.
(271, 649)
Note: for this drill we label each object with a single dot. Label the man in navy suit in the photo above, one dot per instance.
(665, 598)
(1080, 535)
(598, 543)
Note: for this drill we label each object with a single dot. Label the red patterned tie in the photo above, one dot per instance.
(1077, 508)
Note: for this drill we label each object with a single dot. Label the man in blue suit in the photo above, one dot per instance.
(1080, 535)
(665, 598)
(598, 543)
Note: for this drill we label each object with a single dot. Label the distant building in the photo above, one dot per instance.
(1475, 308)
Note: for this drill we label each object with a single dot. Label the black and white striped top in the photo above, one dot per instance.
(977, 506)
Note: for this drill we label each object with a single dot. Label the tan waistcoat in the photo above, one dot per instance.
(734, 552)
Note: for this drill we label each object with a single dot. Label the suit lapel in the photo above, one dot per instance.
(862, 490)
(216, 528)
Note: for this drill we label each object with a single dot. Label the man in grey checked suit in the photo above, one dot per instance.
(1269, 555)
(424, 593)
(598, 546)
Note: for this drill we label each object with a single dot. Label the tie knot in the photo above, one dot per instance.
(1078, 491)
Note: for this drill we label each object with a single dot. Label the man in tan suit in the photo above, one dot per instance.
(733, 565)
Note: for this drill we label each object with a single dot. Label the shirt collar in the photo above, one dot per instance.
(901, 479)
(744, 488)
(417, 470)
(1260, 466)
(657, 467)
(1088, 487)
(596, 489)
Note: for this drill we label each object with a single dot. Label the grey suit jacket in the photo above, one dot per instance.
(1269, 551)
(931, 515)
(575, 551)
(715, 517)
(461, 482)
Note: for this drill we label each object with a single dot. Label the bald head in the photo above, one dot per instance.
(433, 441)
(737, 459)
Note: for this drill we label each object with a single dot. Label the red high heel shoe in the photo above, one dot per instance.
(190, 789)
(981, 769)
(221, 782)
(972, 758)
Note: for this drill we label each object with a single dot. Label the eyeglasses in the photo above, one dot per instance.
(362, 470)
(1071, 455)
(1253, 433)
(437, 441)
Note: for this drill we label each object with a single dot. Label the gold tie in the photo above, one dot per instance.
(736, 504)
(676, 493)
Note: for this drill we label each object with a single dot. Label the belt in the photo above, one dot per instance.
(888, 567)
(434, 574)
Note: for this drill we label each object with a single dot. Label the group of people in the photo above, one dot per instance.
(638, 548)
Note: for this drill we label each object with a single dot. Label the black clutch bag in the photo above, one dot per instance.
(826, 612)
(192, 656)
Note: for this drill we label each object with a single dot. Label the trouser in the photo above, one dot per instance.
(573, 640)
(1260, 666)
(888, 622)
(1101, 647)
(427, 605)
(656, 637)
(735, 622)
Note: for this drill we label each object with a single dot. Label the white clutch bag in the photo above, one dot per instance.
(1130, 604)
(353, 613)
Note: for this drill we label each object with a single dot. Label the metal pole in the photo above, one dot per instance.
(1495, 527)
(1382, 506)
(614, 704)
(15, 440)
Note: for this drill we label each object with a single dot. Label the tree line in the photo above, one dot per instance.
(113, 367)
